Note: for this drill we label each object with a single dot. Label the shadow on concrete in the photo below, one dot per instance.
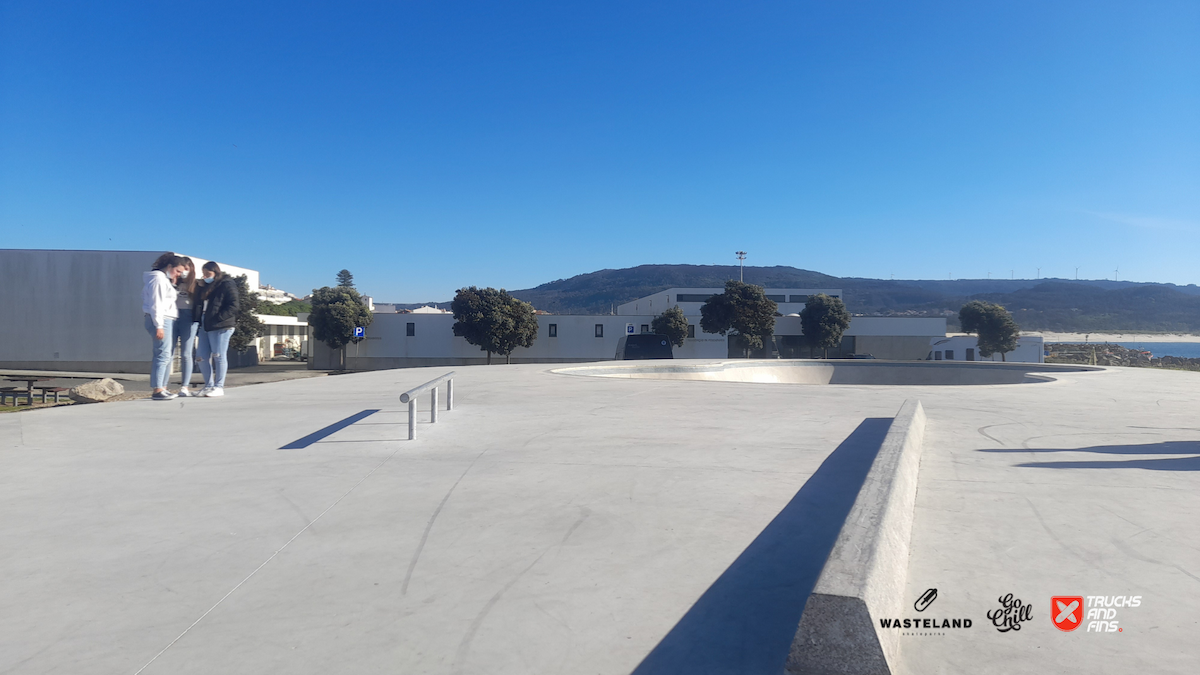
(744, 623)
(327, 431)
(1155, 464)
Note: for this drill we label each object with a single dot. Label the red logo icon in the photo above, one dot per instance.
(1066, 611)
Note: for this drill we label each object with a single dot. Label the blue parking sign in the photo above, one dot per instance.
(359, 331)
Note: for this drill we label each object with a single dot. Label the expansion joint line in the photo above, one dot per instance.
(269, 559)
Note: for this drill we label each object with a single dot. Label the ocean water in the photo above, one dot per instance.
(1187, 350)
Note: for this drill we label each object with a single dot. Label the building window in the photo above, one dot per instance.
(691, 330)
(410, 329)
(693, 297)
(949, 354)
(799, 298)
(645, 328)
(970, 354)
(553, 330)
(937, 356)
(777, 298)
(599, 330)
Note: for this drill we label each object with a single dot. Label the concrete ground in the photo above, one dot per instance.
(558, 524)
(267, 371)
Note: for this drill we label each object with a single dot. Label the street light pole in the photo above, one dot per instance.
(741, 256)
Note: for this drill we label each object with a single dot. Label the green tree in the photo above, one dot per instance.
(335, 313)
(743, 309)
(823, 320)
(493, 320)
(992, 324)
(671, 323)
(345, 279)
(248, 327)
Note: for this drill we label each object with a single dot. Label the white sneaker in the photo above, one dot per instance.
(184, 393)
(203, 392)
(216, 391)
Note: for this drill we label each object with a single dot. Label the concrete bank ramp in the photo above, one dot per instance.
(811, 371)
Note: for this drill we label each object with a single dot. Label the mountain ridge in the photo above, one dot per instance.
(1036, 304)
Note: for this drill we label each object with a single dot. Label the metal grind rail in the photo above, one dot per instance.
(431, 386)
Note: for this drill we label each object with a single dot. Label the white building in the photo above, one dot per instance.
(269, 293)
(427, 339)
(285, 336)
(690, 300)
(78, 310)
(1030, 349)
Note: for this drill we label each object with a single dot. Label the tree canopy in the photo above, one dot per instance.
(493, 320)
(823, 320)
(248, 326)
(289, 308)
(345, 279)
(671, 323)
(992, 324)
(742, 308)
(335, 313)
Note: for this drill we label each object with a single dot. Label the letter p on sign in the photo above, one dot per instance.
(359, 331)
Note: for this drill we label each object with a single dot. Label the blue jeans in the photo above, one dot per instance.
(213, 346)
(185, 335)
(160, 355)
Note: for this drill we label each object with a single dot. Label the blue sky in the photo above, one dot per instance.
(431, 145)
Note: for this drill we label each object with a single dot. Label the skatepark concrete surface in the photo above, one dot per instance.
(267, 371)
(561, 524)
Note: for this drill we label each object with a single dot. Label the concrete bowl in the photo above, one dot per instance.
(812, 371)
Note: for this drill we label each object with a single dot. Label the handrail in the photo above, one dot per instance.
(410, 396)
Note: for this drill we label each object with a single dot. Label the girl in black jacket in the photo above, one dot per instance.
(216, 312)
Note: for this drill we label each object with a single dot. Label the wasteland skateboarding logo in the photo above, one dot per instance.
(1011, 614)
(923, 626)
(1068, 612)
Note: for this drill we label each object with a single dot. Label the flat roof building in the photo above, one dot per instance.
(690, 300)
(78, 310)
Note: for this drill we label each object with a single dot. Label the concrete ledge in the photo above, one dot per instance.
(864, 576)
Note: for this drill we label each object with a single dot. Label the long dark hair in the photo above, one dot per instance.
(213, 267)
(163, 261)
(189, 284)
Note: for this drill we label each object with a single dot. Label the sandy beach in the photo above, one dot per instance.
(1115, 337)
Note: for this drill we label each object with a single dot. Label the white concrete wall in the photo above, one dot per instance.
(76, 310)
(434, 339)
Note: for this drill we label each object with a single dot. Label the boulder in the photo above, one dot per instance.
(96, 391)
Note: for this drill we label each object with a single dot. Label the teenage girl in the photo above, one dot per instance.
(218, 318)
(158, 306)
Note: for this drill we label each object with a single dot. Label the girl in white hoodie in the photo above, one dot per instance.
(158, 304)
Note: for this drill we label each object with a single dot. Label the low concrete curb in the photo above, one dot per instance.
(864, 577)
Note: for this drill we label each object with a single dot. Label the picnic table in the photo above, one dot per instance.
(28, 388)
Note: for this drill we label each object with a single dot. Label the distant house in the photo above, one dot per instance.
(1030, 349)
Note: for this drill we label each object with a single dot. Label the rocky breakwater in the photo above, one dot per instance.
(1114, 355)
